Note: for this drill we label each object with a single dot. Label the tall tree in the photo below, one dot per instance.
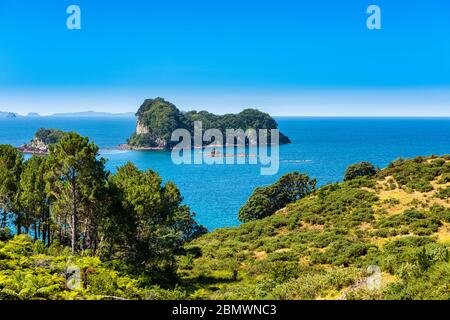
(10, 167)
(32, 199)
(75, 173)
(156, 222)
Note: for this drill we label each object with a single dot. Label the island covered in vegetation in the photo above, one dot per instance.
(158, 118)
(42, 140)
(71, 230)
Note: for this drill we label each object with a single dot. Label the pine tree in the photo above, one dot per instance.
(75, 175)
(10, 168)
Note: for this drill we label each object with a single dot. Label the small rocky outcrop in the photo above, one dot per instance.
(41, 141)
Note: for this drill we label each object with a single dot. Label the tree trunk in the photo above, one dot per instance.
(60, 229)
(49, 231)
(44, 227)
(85, 235)
(19, 228)
(3, 224)
(94, 240)
(36, 232)
(74, 220)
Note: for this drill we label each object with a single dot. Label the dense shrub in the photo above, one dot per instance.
(341, 253)
(265, 201)
(443, 193)
(359, 170)
(416, 174)
(420, 223)
(5, 234)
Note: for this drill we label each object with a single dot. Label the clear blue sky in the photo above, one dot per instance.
(287, 57)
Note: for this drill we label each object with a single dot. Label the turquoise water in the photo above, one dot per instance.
(321, 147)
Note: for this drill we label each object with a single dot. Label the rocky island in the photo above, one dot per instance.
(43, 138)
(158, 118)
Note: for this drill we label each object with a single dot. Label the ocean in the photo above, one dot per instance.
(321, 147)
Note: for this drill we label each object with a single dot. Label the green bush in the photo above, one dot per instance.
(5, 234)
(443, 193)
(417, 222)
(341, 253)
(444, 179)
(358, 170)
(266, 201)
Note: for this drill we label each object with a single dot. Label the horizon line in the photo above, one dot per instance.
(127, 114)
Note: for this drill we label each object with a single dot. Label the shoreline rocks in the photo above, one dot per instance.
(31, 150)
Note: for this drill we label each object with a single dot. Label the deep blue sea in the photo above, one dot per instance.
(321, 147)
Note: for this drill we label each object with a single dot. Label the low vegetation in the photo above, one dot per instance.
(29, 270)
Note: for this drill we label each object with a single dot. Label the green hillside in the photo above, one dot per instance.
(321, 246)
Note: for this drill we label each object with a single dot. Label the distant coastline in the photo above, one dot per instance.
(95, 114)
(84, 114)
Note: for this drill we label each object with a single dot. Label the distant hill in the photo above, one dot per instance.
(33, 114)
(93, 114)
(4, 114)
(86, 114)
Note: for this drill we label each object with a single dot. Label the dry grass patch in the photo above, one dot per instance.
(380, 242)
(282, 231)
(436, 185)
(366, 226)
(444, 233)
(260, 255)
(311, 227)
(408, 200)
(405, 199)
(283, 250)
